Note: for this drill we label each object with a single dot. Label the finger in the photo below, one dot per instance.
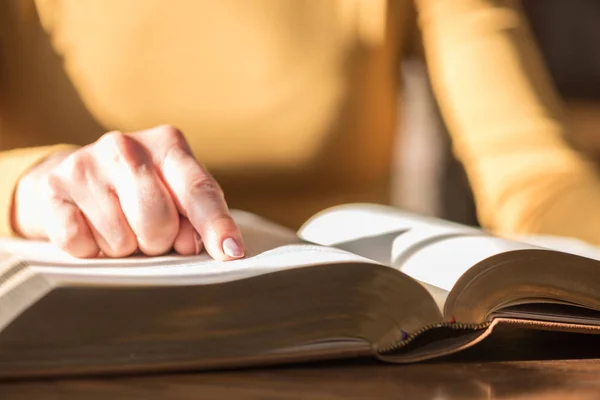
(188, 241)
(146, 203)
(96, 200)
(203, 203)
(68, 229)
(108, 224)
(196, 193)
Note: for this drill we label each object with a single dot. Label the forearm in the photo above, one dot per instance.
(506, 120)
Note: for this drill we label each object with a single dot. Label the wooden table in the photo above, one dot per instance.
(512, 364)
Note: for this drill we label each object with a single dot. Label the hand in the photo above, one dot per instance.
(143, 190)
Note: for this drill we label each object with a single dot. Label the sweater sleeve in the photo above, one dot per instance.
(14, 164)
(506, 121)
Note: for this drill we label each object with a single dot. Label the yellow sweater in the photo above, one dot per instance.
(292, 105)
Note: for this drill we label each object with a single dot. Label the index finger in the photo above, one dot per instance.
(195, 192)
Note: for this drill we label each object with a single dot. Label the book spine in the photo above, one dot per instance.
(407, 338)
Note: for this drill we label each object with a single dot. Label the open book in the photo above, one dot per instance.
(356, 280)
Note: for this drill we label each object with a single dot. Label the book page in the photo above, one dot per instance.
(564, 244)
(432, 251)
(441, 259)
(368, 228)
(269, 247)
(551, 311)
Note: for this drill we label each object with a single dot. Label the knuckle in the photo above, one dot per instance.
(158, 237)
(121, 149)
(223, 223)
(76, 167)
(171, 133)
(112, 142)
(50, 185)
(68, 240)
(172, 142)
(122, 245)
(114, 139)
(174, 153)
(164, 235)
(162, 246)
(205, 187)
(70, 234)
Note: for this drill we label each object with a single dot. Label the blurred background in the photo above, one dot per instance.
(427, 177)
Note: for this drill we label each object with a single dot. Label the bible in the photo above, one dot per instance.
(355, 280)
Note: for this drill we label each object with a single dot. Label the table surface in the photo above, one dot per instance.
(511, 364)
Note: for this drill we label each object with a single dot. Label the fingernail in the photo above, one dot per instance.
(232, 248)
